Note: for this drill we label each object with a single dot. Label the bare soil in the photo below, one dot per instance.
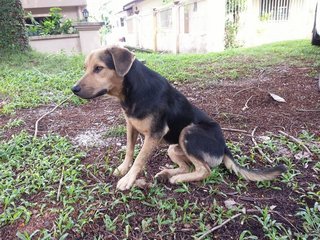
(225, 102)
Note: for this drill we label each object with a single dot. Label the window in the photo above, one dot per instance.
(166, 18)
(122, 22)
(274, 10)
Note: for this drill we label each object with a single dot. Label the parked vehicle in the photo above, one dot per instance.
(316, 26)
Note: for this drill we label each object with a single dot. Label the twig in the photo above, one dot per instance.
(234, 130)
(92, 175)
(307, 110)
(219, 226)
(246, 104)
(257, 146)
(242, 90)
(60, 184)
(284, 218)
(298, 141)
(47, 113)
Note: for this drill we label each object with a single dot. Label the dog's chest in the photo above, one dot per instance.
(143, 126)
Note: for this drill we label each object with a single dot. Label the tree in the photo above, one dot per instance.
(12, 27)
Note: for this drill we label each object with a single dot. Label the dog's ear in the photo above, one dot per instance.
(122, 59)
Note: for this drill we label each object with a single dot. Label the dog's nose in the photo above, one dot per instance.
(76, 89)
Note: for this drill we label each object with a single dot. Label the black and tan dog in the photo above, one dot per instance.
(153, 108)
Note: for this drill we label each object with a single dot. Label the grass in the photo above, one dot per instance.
(32, 79)
(33, 169)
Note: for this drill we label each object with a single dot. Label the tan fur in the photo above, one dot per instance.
(143, 126)
(202, 170)
(147, 149)
(177, 156)
(107, 79)
(249, 174)
(132, 135)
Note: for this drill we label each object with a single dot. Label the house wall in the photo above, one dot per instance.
(199, 26)
(73, 13)
(255, 31)
(70, 8)
(146, 29)
(52, 3)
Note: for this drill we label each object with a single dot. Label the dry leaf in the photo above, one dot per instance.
(142, 183)
(230, 203)
(272, 207)
(277, 98)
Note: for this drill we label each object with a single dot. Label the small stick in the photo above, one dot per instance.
(246, 105)
(257, 146)
(47, 113)
(60, 184)
(242, 90)
(298, 141)
(92, 175)
(234, 130)
(219, 226)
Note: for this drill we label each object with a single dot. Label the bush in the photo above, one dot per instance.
(13, 32)
(52, 25)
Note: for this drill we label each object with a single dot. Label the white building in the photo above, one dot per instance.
(209, 25)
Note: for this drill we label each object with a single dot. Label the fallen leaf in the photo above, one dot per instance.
(272, 207)
(277, 98)
(142, 183)
(230, 203)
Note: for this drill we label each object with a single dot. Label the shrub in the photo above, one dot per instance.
(52, 25)
(13, 32)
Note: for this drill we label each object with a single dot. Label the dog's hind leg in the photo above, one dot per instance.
(203, 147)
(177, 156)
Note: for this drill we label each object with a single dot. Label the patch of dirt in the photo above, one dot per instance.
(225, 102)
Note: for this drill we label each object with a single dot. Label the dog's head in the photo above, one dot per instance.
(104, 72)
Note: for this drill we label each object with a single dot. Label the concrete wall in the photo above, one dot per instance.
(56, 43)
(87, 40)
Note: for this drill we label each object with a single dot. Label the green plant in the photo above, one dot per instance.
(311, 220)
(52, 25)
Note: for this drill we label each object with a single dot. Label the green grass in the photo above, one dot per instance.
(33, 169)
(234, 63)
(33, 79)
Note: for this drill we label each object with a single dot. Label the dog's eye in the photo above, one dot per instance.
(97, 69)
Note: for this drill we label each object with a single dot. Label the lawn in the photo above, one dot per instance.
(59, 185)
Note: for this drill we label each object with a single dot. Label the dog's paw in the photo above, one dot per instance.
(163, 175)
(175, 179)
(126, 182)
(121, 170)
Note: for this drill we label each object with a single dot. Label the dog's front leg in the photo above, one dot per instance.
(132, 135)
(147, 149)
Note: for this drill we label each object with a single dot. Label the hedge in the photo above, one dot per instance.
(12, 27)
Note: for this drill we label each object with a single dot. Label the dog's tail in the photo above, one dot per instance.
(252, 174)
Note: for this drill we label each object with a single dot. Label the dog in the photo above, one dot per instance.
(154, 108)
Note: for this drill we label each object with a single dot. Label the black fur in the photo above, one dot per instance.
(151, 94)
